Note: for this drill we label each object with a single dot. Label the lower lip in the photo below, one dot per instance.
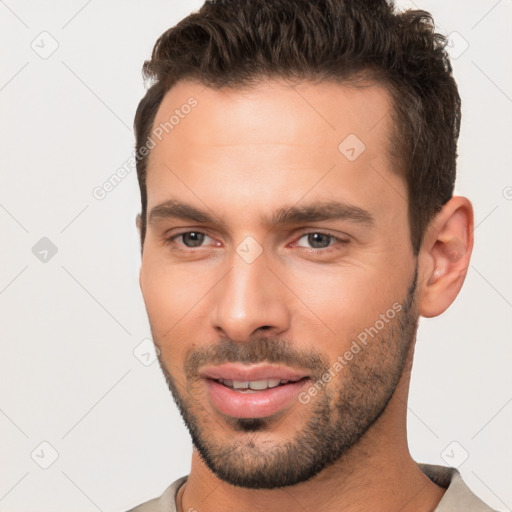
(252, 404)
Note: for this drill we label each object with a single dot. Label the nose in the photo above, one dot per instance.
(249, 299)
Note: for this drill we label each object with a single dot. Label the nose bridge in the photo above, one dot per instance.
(249, 296)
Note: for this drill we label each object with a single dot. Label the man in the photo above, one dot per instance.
(296, 161)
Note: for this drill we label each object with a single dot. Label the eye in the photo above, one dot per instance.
(319, 240)
(314, 240)
(190, 239)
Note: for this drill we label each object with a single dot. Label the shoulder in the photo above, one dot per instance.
(164, 503)
(458, 496)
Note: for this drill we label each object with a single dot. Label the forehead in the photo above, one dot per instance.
(277, 110)
(272, 139)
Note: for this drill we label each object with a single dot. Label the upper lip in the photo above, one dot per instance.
(244, 373)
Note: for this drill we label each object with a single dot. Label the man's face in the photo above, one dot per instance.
(263, 287)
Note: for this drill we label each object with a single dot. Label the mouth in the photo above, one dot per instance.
(255, 385)
(242, 391)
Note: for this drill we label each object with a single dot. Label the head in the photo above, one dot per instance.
(296, 161)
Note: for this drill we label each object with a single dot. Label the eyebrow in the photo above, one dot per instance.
(319, 211)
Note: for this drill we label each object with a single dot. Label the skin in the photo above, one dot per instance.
(241, 154)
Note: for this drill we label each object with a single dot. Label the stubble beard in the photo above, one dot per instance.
(338, 416)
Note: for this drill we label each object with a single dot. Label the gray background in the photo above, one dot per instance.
(75, 368)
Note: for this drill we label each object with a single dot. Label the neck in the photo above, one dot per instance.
(378, 473)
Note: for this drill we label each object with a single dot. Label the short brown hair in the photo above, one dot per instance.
(236, 43)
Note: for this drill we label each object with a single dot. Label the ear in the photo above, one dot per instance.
(444, 256)
(138, 221)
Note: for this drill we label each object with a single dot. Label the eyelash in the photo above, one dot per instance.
(323, 250)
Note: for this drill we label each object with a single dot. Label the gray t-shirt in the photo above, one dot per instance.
(457, 498)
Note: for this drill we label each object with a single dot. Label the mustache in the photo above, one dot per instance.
(272, 350)
(259, 350)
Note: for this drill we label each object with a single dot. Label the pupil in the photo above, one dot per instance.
(195, 238)
(314, 241)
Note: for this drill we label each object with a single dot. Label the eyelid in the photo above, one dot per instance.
(172, 238)
(320, 231)
(343, 240)
(297, 236)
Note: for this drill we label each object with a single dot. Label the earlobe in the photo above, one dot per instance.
(138, 222)
(445, 256)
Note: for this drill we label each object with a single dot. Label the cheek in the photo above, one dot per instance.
(348, 299)
(168, 295)
(174, 296)
(162, 296)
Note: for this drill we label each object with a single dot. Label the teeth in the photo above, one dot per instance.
(257, 385)
(272, 383)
